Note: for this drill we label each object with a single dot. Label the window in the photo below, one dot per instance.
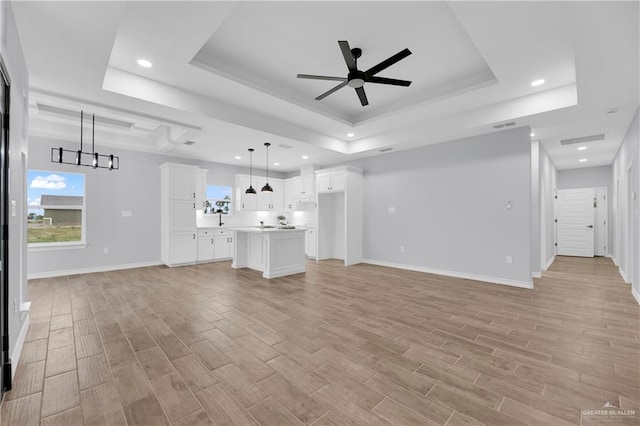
(56, 206)
(218, 199)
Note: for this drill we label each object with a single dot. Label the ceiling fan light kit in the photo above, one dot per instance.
(356, 78)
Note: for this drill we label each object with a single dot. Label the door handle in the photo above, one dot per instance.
(589, 226)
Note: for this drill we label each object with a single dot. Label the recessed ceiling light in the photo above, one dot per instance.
(144, 63)
(276, 164)
(350, 135)
(305, 157)
(582, 148)
(583, 160)
(237, 157)
(537, 82)
(532, 134)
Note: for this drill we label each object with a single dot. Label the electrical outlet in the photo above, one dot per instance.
(106, 250)
(509, 260)
(401, 249)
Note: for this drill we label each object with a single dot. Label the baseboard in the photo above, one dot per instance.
(549, 263)
(613, 258)
(483, 278)
(17, 350)
(636, 295)
(536, 274)
(64, 272)
(623, 274)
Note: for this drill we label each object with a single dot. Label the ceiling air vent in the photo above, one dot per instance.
(583, 139)
(189, 142)
(500, 126)
(385, 149)
(285, 146)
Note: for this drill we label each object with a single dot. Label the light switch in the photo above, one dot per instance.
(391, 209)
(126, 213)
(13, 208)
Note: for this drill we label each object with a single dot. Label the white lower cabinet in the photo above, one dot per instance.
(183, 247)
(214, 244)
(205, 245)
(223, 244)
(310, 242)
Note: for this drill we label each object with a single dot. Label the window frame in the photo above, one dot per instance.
(231, 198)
(60, 245)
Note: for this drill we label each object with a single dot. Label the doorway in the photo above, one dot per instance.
(582, 222)
(629, 256)
(575, 222)
(5, 364)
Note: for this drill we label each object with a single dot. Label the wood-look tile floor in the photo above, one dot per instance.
(339, 345)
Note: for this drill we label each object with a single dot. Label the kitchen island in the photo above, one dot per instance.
(273, 251)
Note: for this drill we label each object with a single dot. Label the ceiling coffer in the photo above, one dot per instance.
(582, 139)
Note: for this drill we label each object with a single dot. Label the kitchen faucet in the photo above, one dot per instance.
(220, 218)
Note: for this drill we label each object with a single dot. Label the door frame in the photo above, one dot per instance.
(630, 228)
(605, 226)
(5, 361)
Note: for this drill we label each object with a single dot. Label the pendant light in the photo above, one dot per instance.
(58, 154)
(250, 190)
(267, 187)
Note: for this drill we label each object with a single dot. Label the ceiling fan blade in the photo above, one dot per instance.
(387, 62)
(321, 77)
(362, 96)
(348, 56)
(328, 92)
(384, 80)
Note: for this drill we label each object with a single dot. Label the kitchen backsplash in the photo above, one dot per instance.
(300, 218)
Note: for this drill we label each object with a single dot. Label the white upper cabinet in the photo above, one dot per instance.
(201, 189)
(333, 181)
(304, 188)
(245, 201)
(289, 194)
(182, 182)
(271, 201)
(262, 201)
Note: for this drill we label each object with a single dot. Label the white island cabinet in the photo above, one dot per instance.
(275, 252)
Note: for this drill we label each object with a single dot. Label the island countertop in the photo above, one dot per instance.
(276, 252)
(260, 230)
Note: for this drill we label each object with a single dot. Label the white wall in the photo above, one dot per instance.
(548, 175)
(450, 202)
(131, 240)
(585, 177)
(591, 177)
(11, 51)
(535, 209)
(626, 241)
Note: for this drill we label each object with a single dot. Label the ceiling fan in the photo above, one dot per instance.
(357, 78)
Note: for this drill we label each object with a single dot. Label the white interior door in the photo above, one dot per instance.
(575, 222)
(600, 233)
